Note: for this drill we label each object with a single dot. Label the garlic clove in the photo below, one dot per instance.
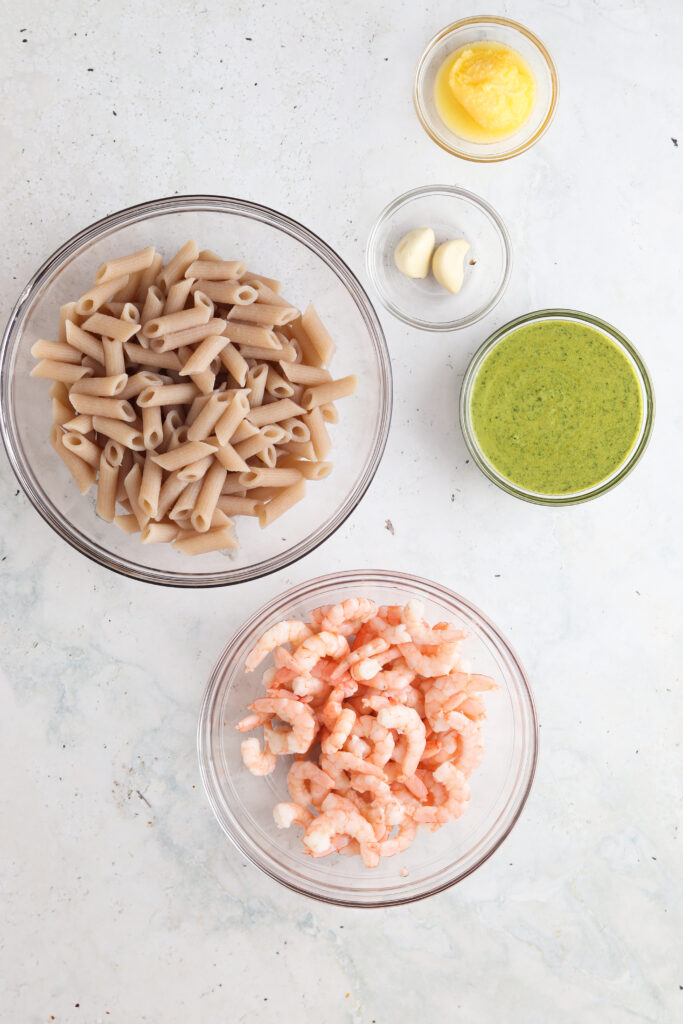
(414, 252)
(448, 264)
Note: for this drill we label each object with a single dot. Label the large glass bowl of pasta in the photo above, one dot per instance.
(244, 803)
(165, 359)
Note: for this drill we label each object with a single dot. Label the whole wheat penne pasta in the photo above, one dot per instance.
(258, 494)
(309, 470)
(233, 506)
(268, 456)
(67, 373)
(168, 394)
(171, 342)
(114, 453)
(234, 363)
(251, 446)
(174, 323)
(208, 254)
(208, 497)
(265, 294)
(216, 270)
(300, 373)
(82, 447)
(269, 511)
(330, 413)
(58, 351)
(203, 355)
(125, 265)
(152, 431)
(204, 380)
(124, 468)
(243, 430)
(92, 364)
(269, 478)
(277, 386)
(228, 457)
(264, 315)
(150, 486)
(105, 387)
(60, 391)
(130, 314)
(107, 486)
(232, 488)
(67, 312)
(82, 472)
(202, 543)
(269, 282)
(61, 414)
(297, 357)
(86, 343)
(274, 411)
(320, 439)
(209, 415)
(332, 390)
(128, 523)
(192, 451)
(112, 408)
(177, 267)
(267, 354)
(296, 430)
(137, 383)
(256, 382)
(159, 533)
(152, 309)
(171, 489)
(182, 509)
(309, 353)
(196, 470)
(114, 359)
(226, 426)
(146, 357)
(251, 334)
(112, 308)
(79, 424)
(177, 437)
(129, 292)
(229, 292)
(149, 276)
(318, 334)
(275, 433)
(125, 433)
(177, 295)
(131, 486)
(301, 449)
(111, 327)
(196, 407)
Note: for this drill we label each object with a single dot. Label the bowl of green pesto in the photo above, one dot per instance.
(557, 407)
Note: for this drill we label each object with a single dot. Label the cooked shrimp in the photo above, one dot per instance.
(407, 831)
(381, 739)
(332, 708)
(317, 646)
(251, 722)
(456, 787)
(339, 733)
(439, 662)
(360, 747)
(259, 762)
(366, 651)
(442, 702)
(348, 762)
(322, 830)
(392, 679)
(358, 609)
(342, 783)
(308, 784)
(393, 634)
(308, 686)
(297, 715)
(470, 751)
(370, 784)
(291, 631)
(286, 814)
(407, 723)
(421, 633)
(391, 613)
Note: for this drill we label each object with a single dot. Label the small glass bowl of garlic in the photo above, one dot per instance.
(439, 257)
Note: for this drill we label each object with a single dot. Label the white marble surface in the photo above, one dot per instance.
(122, 901)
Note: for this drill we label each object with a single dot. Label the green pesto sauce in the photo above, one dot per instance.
(556, 407)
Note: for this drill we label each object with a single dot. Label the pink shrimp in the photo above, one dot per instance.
(308, 784)
(308, 686)
(397, 634)
(259, 762)
(357, 609)
(332, 708)
(339, 733)
(421, 633)
(392, 679)
(470, 751)
(442, 702)
(441, 747)
(317, 646)
(320, 833)
(391, 613)
(340, 778)
(363, 783)
(407, 723)
(407, 831)
(349, 763)
(456, 787)
(360, 747)
(301, 719)
(286, 814)
(366, 651)
(381, 739)
(251, 722)
(291, 631)
(438, 662)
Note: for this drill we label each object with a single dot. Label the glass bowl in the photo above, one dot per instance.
(243, 803)
(646, 391)
(500, 30)
(452, 213)
(273, 244)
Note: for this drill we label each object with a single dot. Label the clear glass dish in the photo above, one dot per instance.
(243, 803)
(642, 376)
(272, 244)
(452, 213)
(500, 30)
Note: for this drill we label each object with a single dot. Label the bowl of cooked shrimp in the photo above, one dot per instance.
(368, 738)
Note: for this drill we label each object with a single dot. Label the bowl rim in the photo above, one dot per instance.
(633, 457)
(403, 200)
(147, 210)
(212, 789)
(482, 157)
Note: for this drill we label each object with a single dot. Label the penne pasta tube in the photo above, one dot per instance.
(256, 382)
(127, 523)
(216, 269)
(111, 327)
(233, 506)
(243, 430)
(139, 381)
(296, 430)
(300, 449)
(231, 487)
(81, 471)
(176, 438)
(196, 470)
(229, 292)
(193, 412)
(114, 453)
(309, 353)
(61, 414)
(203, 354)
(202, 543)
(124, 468)
(208, 497)
(152, 430)
(83, 448)
(300, 373)
(107, 486)
(332, 390)
(152, 309)
(112, 408)
(129, 292)
(258, 494)
(58, 351)
(266, 295)
(79, 424)
(269, 511)
(145, 357)
(159, 533)
(317, 334)
(67, 312)
(182, 510)
(286, 352)
(228, 457)
(177, 267)
(269, 477)
(59, 391)
(177, 295)
(105, 387)
(131, 486)
(191, 336)
(309, 470)
(192, 451)
(150, 486)
(226, 426)
(67, 373)
(149, 276)
(204, 380)
(268, 456)
(267, 316)
(234, 363)
(92, 364)
(114, 360)
(125, 265)
(275, 433)
(209, 415)
(114, 309)
(277, 386)
(171, 489)
(130, 314)
(167, 394)
(173, 323)
(86, 343)
(126, 434)
(320, 439)
(251, 334)
(329, 411)
(251, 446)
(269, 282)
(274, 411)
